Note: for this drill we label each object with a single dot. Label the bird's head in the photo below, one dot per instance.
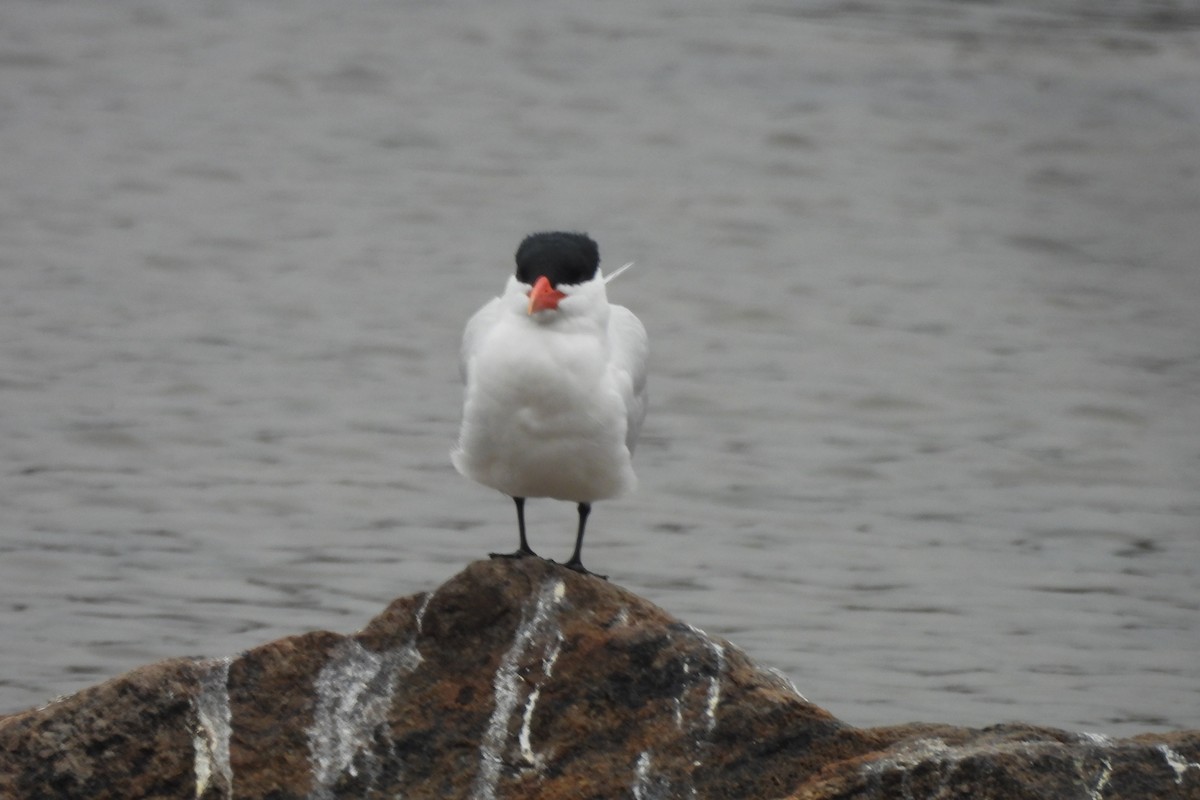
(546, 261)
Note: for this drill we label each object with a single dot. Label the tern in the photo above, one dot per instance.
(555, 385)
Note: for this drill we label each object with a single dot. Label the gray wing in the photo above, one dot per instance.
(629, 352)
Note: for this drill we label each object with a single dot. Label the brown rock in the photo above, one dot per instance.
(524, 679)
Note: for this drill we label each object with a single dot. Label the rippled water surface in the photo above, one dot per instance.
(921, 281)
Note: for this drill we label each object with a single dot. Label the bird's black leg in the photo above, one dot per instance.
(575, 563)
(524, 549)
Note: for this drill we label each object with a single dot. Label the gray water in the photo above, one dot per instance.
(920, 278)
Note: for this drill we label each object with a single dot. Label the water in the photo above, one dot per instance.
(920, 279)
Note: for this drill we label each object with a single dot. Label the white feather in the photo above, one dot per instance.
(553, 401)
(610, 278)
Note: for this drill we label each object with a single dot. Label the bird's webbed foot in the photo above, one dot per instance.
(523, 552)
(576, 565)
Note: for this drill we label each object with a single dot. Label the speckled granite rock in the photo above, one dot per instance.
(523, 679)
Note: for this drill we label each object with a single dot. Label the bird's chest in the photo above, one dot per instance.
(543, 384)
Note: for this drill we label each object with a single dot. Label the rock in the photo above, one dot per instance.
(524, 679)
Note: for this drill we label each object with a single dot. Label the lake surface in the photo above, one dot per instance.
(921, 281)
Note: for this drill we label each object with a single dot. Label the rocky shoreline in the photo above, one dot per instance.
(524, 679)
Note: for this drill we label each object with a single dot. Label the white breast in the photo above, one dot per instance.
(551, 409)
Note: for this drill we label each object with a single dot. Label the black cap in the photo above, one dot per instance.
(564, 258)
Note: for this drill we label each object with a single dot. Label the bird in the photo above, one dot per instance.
(555, 385)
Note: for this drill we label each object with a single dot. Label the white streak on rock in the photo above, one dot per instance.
(210, 740)
(1177, 762)
(781, 680)
(912, 755)
(1096, 791)
(1100, 744)
(714, 685)
(713, 694)
(1094, 780)
(202, 763)
(643, 789)
(525, 739)
(354, 694)
(535, 625)
(650, 785)
(420, 616)
(695, 710)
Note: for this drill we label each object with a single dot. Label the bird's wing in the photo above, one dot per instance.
(479, 323)
(629, 353)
